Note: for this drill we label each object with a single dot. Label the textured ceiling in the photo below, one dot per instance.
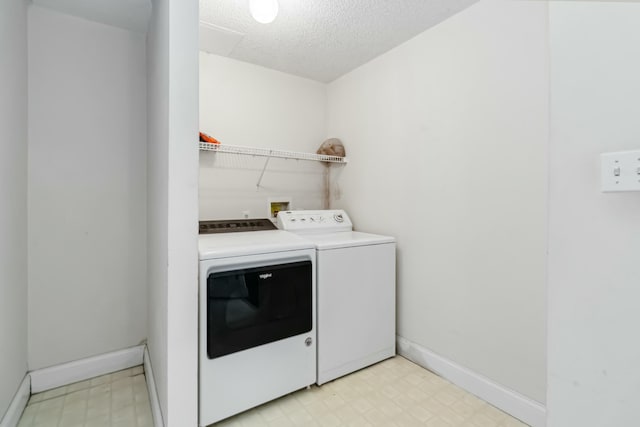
(129, 14)
(318, 39)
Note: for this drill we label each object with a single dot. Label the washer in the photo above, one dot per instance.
(257, 319)
(356, 291)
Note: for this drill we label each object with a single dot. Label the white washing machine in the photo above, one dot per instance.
(257, 317)
(356, 291)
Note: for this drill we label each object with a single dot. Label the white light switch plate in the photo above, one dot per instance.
(620, 171)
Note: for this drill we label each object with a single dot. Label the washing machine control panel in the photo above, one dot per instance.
(324, 221)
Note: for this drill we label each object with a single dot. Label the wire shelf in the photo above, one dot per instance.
(266, 152)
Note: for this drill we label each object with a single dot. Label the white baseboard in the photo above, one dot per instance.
(527, 410)
(83, 369)
(19, 402)
(153, 392)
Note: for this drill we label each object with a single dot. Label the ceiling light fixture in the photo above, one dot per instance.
(263, 11)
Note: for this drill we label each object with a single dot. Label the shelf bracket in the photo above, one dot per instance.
(264, 168)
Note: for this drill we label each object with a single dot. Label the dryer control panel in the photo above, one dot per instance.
(321, 221)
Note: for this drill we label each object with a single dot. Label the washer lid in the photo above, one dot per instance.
(225, 245)
(347, 239)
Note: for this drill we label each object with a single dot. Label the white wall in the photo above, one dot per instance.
(13, 197)
(182, 384)
(594, 254)
(87, 179)
(447, 140)
(244, 104)
(157, 194)
(173, 207)
(127, 14)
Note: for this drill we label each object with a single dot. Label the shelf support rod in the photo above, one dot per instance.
(264, 168)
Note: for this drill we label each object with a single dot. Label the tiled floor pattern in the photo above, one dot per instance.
(115, 400)
(393, 393)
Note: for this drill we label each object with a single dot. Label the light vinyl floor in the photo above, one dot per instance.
(119, 399)
(393, 393)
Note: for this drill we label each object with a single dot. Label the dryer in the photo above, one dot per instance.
(356, 291)
(257, 327)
